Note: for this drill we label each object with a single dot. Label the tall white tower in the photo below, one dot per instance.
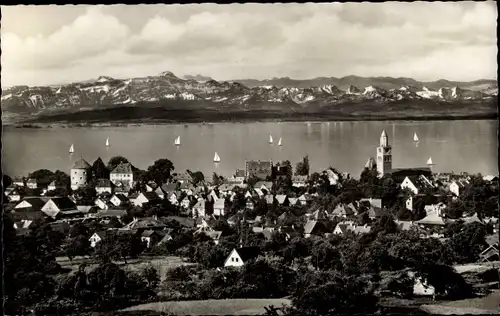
(384, 155)
(79, 173)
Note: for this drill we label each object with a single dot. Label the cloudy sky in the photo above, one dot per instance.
(426, 41)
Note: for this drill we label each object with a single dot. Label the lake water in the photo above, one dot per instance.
(454, 145)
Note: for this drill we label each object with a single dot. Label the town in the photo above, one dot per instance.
(270, 230)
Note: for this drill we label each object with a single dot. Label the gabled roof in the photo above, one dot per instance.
(200, 204)
(293, 201)
(103, 183)
(248, 253)
(36, 203)
(122, 168)
(81, 164)
(473, 219)
(214, 234)
(121, 197)
(64, 203)
(102, 234)
(220, 203)
(269, 199)
(267, 184)
(149, 233)
(373, 202)
(144, 223)
(169, 187)
(287, 218)
(281, 198)
(309, 226)
(432, 219)
(111, 213)
(319, 215)
(375, 212)
(150, 196)
(404, 225)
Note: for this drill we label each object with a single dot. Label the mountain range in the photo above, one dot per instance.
(284, 94)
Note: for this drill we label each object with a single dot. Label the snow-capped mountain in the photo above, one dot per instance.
(167, 87)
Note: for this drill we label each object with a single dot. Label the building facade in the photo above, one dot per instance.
(123, 174)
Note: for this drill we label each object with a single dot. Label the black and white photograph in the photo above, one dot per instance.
(292, 159)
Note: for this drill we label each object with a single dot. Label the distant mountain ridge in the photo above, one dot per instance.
(284, 94)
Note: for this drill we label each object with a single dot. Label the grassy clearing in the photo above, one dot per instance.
(213, 307)
(476, 267)
(488, 304)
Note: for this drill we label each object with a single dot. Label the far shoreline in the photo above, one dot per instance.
(304, 119)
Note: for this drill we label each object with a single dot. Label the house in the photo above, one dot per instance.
(96, 238)
(490, 178)
(30, 204)
(282, 199)
(213, 234)
(259, 192)
(103, 185)
(303, 200)
(14, 195)
(457, 187)
(438, 208)
(118, 200)
(58, 206)
(111, 213)
(123, 173)
(32, 183)
(167, 236)
(151, 186)
(269, 199)
(238, 177)
(146, 197)
(239, 256)
(293, 201)
(145, 223)
(281, 172)
(333, 177)
(249, 205)
(287, 219)
(258, 169)
(199, 208)
(266, 186)
(173, 198)
(151, 237)
(80, 173)
(344, 227)
(299, 181)
(376, 212)
(417, 184)
(54, 185)
(160, 193)
(18, 182)
(342, 210)
(405, 225)
(432, 219)
(314, 227)
(101, 203)
(473, 219)
(219, 206)
(372, 202)
(490, 254)
(420, 286)
(121, 188)
(318, 215)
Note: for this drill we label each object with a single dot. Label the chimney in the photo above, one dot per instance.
(155, 217)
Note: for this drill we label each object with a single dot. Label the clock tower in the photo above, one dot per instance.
(384, 155)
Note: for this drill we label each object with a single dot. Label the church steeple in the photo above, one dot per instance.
(384, 140)
(384, 155)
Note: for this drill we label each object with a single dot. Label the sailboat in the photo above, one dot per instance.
(415, 137)
(71, 149)
(216, 158)
(107, 142)
(270, 139)
(429, 162)
(279, 142)
(177, 141)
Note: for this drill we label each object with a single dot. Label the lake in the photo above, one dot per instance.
(457, 146)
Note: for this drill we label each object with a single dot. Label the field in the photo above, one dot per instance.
(212, 307)
(161, 264)
(489, 304)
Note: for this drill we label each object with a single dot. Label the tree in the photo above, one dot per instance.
(99, 170)
(385, 224)
(42, 176)
(78, 245)
(216, 179)
(85, 195)
(151, 276)
(302, 167)
(115, 161)
(197, 177)
(160, 171)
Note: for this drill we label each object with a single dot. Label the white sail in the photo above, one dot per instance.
(270, 139)
(216, 158)
(107, 142)
(279, 142)
(415, 137)
(429, 161)
(178, 141)
(71, 149)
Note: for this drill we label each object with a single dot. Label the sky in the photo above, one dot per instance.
(426, 41)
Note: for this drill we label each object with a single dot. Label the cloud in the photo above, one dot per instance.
(419, 39)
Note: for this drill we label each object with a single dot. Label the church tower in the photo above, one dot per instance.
(384, 155)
